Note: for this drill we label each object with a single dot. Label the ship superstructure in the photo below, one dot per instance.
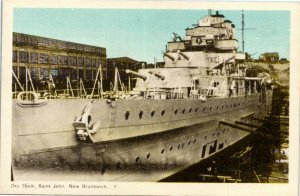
(203, 64)
(175, 116)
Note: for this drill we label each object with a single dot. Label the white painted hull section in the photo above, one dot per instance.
(127, 149)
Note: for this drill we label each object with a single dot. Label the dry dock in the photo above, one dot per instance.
(261, 157)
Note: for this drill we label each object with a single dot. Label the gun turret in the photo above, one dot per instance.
(184, 55)
(169, 56)
(136, 74)
(160, 76)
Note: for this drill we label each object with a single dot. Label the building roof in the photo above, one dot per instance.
(271, 54)
(22, 38)
(122, 59)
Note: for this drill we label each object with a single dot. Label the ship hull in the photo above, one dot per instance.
(143, 152)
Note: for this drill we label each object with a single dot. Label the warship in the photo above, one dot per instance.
(202, 101)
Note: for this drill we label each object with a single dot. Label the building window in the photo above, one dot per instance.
(87, 48)
(74, 75)
(88, 62)
(98, 62)
(94, 63)
(34, 57)
(71, 46)
(81, 73)
(44, 58)
(88, 74)
(52, 43)
(22, 73)
(43, 73)
(62, 45)
(43, 41)
(98, 50)
(72, 61)
(34, 72)
(54, 72)
(54, 60)
(63, 60)
(23, 56)
(15, 37)
(32, 40)
(18, 38)
(15, 56)
(80, 47)
(24, 39)
(80, 61)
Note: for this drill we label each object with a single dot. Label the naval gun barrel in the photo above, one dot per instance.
(184, 55)
(136, 74)
(160, 76)
(169, 56)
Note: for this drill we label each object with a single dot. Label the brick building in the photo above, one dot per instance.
(270, 57)
(43, 56)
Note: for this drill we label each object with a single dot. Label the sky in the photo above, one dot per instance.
(143, 34)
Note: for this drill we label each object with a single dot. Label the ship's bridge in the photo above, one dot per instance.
(212, 33)
(211, 20)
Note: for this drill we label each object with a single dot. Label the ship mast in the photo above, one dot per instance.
(243, 28)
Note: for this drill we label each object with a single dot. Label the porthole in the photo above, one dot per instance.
(195, 141)
(148, 155)
(137, 159)
(162, 151)
(183, 111)
(221, 146)
(103, 169)
(203, 109)
(175, 111)
(189, 143)
(127, 115)
(196, 110)
(171, 148)
(141, 114)
(190, 110)
(152, 113)
(118, 165)
(163, 112)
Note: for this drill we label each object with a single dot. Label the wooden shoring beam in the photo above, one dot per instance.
(258, 119)
(266, 135)
(246, 124)
(235, 126)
